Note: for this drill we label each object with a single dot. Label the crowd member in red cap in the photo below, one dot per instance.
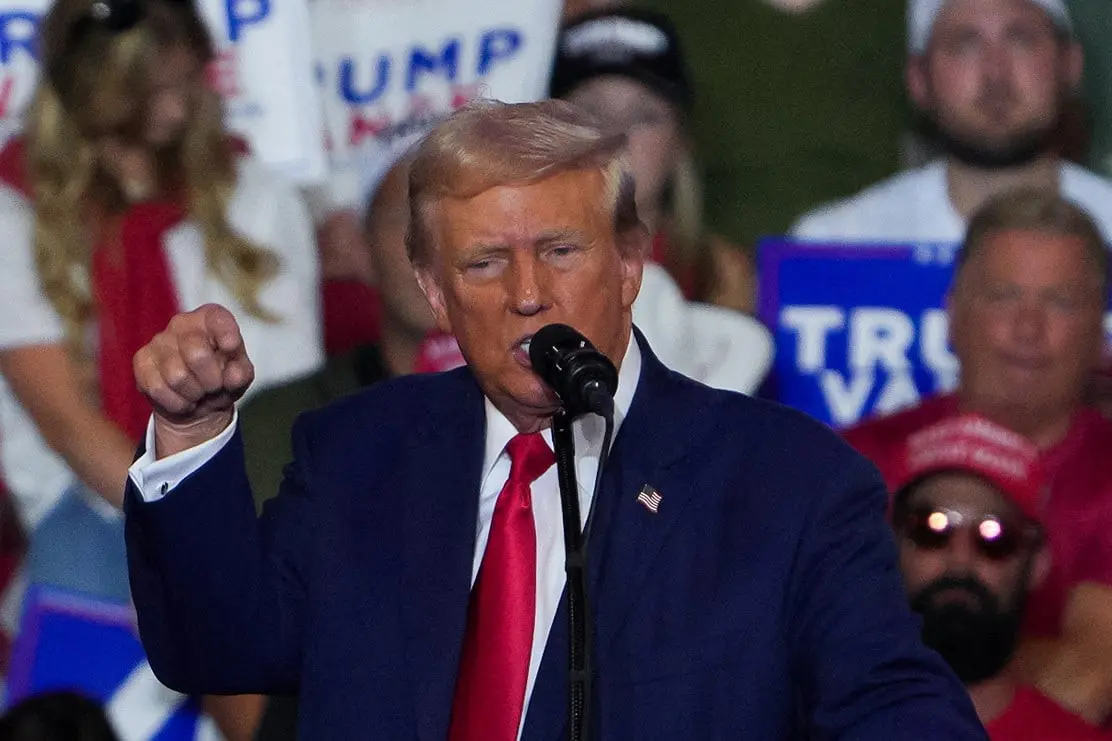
(1026, 310)
(967, 513)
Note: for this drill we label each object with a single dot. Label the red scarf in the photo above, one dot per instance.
(133, 291)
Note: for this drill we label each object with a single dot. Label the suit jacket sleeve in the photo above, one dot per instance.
(862, 670)
(220, 593)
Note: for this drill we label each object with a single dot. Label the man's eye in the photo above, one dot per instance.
(563, 250)
(1062, 302)
(999, 295)
(482, 268)
(964, 43)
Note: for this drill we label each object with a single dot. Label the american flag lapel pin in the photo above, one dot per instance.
(649, 498)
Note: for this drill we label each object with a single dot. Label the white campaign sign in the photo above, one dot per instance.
(264, 70)
(266, 75)
(387, 66)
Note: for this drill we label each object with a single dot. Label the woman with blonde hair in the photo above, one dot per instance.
(126, 201)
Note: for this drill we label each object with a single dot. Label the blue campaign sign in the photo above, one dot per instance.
(860, 329)
(68, 641)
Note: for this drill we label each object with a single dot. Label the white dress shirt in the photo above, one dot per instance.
(156, 478)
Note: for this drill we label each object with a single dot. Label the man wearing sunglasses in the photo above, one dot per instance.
(972, 548)
(1026, 309)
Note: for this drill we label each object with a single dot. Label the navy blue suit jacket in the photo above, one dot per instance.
(761, 602)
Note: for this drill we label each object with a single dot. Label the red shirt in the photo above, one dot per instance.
(1077, 514)
(1033, 716)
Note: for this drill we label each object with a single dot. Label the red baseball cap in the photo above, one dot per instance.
(972, 444)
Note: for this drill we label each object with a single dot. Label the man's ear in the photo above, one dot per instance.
(949, 302)
(634, 246)
(1073, 65)
(918, 86)
(434, 294)
(954, 304)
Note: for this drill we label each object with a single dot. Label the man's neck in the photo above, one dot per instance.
(399, 346)
(969, 187)
(993, 696)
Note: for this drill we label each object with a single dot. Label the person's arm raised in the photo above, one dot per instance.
(218, 591)
(193, 373)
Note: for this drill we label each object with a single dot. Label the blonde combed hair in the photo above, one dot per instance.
(98, 84)
(487, 144)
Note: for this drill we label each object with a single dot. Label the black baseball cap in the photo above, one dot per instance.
(638, 44)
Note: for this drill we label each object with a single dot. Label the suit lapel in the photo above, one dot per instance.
(624, 536)
(665, 421)
(441, 488)
(630, 536)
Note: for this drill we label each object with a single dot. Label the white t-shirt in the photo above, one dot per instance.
(915, 206)
(265, 210)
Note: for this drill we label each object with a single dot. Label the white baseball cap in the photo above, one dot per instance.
(921, 15)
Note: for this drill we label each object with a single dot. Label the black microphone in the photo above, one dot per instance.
(583, 378)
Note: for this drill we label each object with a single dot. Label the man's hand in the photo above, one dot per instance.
(193, 373)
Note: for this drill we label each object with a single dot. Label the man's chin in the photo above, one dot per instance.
(995, 152)
(526, 396)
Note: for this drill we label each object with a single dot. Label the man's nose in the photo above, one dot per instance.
(1030, 322)
(528, 286)
(961, 552)
(996, 64)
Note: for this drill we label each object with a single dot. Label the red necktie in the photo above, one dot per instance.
(494, 668)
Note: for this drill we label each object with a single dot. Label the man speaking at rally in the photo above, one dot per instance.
(408, 580)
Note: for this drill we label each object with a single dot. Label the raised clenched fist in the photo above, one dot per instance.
(193, 372)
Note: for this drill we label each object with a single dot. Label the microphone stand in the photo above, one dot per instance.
(575, 563)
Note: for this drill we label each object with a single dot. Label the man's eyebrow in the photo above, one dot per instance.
(559, 235)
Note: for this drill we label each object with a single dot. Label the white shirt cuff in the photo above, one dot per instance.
(155, 478)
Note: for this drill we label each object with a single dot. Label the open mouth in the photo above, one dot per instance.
(521, 351)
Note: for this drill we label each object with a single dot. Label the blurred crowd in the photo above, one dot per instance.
(984, 123)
